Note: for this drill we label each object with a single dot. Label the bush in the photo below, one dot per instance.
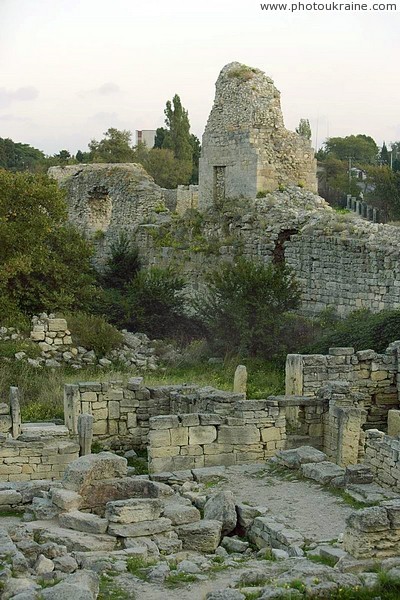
(156, 302)
(122, 265)
(44, 262)
(361, 330)
(94, 333)
(244, 307)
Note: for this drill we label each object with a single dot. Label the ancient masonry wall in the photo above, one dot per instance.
(345, 273)
(382, 455)
(245, 146)
(195, 440)
(35, 459)
(371, 374)
(374, 532)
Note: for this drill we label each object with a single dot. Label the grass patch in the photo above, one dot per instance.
(11, 512)
(46, 583)
(242, 72)
(110, 591)
(176, 579)
(347, 499)
(268, 555)
(322, 560)
(8, 348)
(138, 566)
(264, 379)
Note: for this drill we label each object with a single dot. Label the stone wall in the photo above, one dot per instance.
(187, 441)
(371, 374)
(382, 455)
(374, 532)
(25, 460)
(246, 148)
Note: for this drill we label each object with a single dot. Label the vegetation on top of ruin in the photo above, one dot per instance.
(242, 72)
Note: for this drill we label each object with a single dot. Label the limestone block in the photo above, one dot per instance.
(203, 536)
(179, 514)
(86, 469)
(113, 410)
(394, 423)
(221, 507)
(373, 518)
(341, 351)
(379, 375)
(80, 521)
(66, 499)
(164, 422)
(189, 420)
(227, 460)
(240, 380)
(134, 510)
(100, 427)
(57, 325)
(10, 497)
(202, 434)
(37, 336)
(163, 452)
(88, 397)
(191, 450)
(159, 438)
(142, 528)
(132, 420)
(323, 472)
(5, 423)
(179, 436)
(246, 434)
(216, 448)
(270, 434)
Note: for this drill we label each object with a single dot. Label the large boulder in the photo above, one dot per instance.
(93, 467)
(221, 507)
(203, 536)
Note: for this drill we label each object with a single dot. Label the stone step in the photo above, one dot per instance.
(81, 521)
(44, 430)
(50, 531)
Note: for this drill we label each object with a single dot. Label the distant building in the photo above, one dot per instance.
(146, 136)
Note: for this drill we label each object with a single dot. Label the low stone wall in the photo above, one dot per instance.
(194, 440)
(35, 459)
(122, 411)
(374, 532)
(372, 374)
(382, 455)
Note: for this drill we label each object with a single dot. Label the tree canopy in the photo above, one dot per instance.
(361, 148)
(44, 262)
(115, 147)
(304, 129)
(15, 156)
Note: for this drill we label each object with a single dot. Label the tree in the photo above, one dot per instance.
(361, 148)
(44, 262)
(15, 156)
(177, 134)
(244, 307)
(166, 170)
(160, 136)
(122, 265)
(196, 147)
(385, 184)
(384, 155)
(115, 147)
(304, 129)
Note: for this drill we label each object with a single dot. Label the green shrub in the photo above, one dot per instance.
(9, 348)
(122, 265)
(94, 333)
(361, 330)
(244, 306)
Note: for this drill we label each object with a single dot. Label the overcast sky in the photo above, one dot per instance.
(70, 69)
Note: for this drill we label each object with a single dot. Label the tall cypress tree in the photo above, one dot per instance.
(177, 136)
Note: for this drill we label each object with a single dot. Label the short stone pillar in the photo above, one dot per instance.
(374, 215)
(85, 433)
(72, 407)
(353, 203)
(240, 380)
(394, 423)
(15, 412)
(294, 375)
(348, 202)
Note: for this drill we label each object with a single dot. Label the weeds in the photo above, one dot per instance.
(328, 561)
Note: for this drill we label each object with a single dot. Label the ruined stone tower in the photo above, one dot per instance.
(246, 148)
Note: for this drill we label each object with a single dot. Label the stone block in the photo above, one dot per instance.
(221, 507)
(93, 467)
(113, 409)
(66, 499)
(345, 351)
(133, 510)
(179, 514)
(100, 427)
(189, 420)
(80, 521)
(215, 460)
(88, 397)
(179, 436)
(394, 423)
(323, 472)
(202, 434)
(203, 536)
(163, 452)
(209, 474)
(270, 434)
(142, 528)
(57, 325)
(10, 497)
(246, 434)
(163, 422)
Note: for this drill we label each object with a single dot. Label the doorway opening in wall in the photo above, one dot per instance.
(278, 256)
(219, 185)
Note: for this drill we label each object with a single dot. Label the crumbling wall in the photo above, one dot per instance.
(367, 372)
(246, 148)
(374, 532)
(382, 455)
(188, 441)
(25, 460)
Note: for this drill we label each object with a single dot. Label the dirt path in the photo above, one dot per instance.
(303, 505)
